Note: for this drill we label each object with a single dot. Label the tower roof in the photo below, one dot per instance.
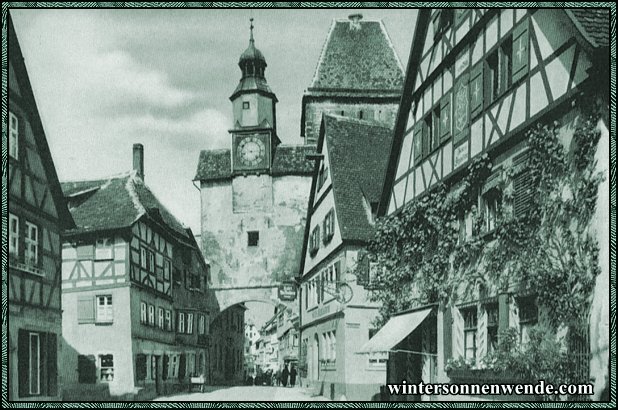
(358, 56)
(251, 53)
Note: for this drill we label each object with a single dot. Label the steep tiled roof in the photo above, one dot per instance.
(593, 23)
(358, 57)
(214, 164)
(358, 154)
(288, 160)
(114, 203)
(291, 160)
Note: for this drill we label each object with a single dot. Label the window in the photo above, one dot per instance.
(144, 258)
(174, 367)
(314, 241)
(491, 202)
(201, 325)
(166, 270)
(151, 315)
(13, 136)
(464, 221)
(160, 317)
(181, 322)
(190, 323)
(151, 261)
(36, 363)
(106, 362)
(245, 105)
(499, 70)
(103, 249)
(470, 326)
(329, 226)
(168, 320)
(143, 312)
(105, 313)
(492, 326)
(322, 176)
(13, 236)
(32, 244)
(430, 137)
(253, 238)
(528, 316)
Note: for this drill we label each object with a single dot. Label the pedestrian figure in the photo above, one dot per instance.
(293, 376)
(284, 376)
(278, 377)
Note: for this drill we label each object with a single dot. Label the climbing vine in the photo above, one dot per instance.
(422, 257)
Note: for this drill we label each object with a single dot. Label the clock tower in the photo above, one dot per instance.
(254, 132)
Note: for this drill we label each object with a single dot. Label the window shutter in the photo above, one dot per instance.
(458, 333)
(140, 366)
(522, 194)
(461, 112)
(165, 369)
(52, 364)
(182, 366)
(521, 50)
(476, 89)
(23, 355)
(418, 141)
(481, 336)
(85, 310)
(86, 369)
(445, 117)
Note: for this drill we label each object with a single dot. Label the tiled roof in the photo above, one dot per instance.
(114, 203)
(291, 160)
(593, 23)
(358, 153)
(358, 57)
(214, 164)
(288, 160)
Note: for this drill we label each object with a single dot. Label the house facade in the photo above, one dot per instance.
(37, 215)
(134, 292)
(336, 315)
(478, 84)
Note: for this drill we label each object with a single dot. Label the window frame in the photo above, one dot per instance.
(13, 235)
(39, 363)
(253, 239)
(28, 242)
(104, 313)
(143, 313)
(470, 327)
(13, 137)
(189, 323)
(151, 315)
(160, 318)
(109, 369)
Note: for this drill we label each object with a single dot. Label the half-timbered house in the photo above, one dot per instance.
(133, 291)
(477, 81)
(336, 314)
(37, 214)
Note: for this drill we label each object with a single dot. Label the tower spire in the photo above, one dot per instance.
(251, 40)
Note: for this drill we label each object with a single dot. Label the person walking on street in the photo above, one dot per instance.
(293, 376)
(278, 377)
(284, 376)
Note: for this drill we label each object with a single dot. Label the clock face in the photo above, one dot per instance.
(251, 151)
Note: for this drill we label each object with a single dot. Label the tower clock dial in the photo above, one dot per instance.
(251, 151)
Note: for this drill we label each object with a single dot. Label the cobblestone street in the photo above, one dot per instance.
(246, 393)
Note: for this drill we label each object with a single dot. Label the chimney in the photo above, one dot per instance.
(355, 21)
(138, 160)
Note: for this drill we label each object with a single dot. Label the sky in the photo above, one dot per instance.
(105, 79)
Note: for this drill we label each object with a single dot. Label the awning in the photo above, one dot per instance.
(395, 330)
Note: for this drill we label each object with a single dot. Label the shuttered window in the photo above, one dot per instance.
(522, 193)
(86, 369)
(37, 358)
(445, 117)
(521, 51)
(85, 310)
(476, 90)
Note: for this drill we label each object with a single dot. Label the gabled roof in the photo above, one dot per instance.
(358, 154)
(593, 24)
(16, 60)
(115, 203)
(360, 57)
(288, 160)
